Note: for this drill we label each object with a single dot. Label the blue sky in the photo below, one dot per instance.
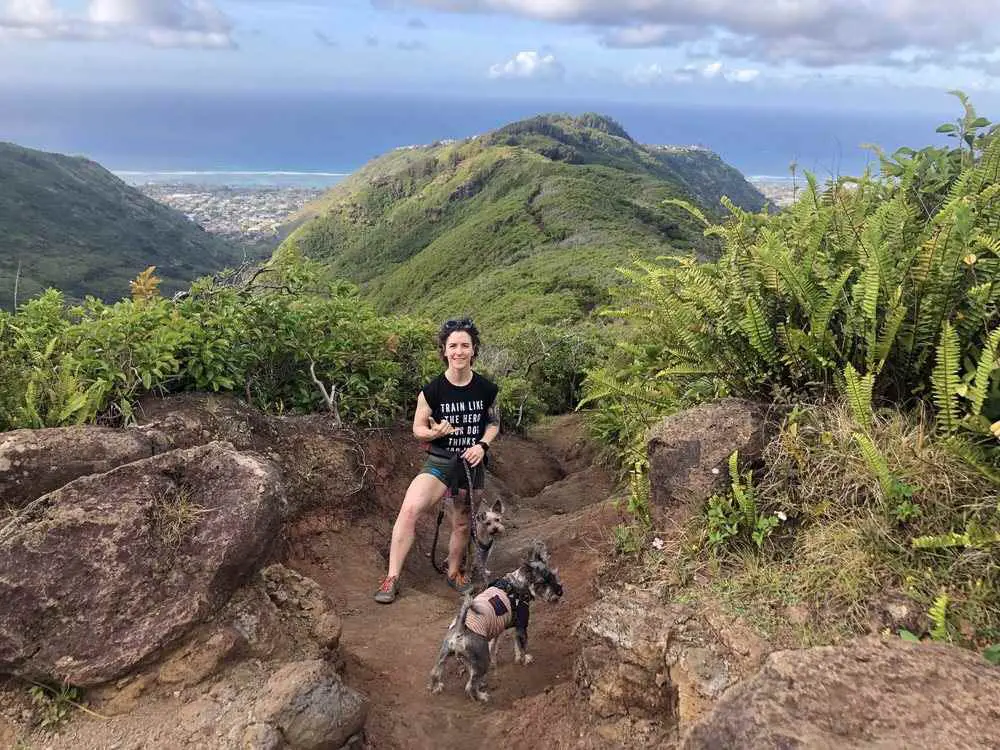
(811, 53)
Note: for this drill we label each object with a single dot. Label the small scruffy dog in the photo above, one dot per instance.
(503, 605)
(489, 525)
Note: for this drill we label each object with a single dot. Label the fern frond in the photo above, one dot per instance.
(988, 364)
(822, 313)
(758, 332)
(890, 328)
(945, 380)
(690, 208)
(859, 395)
(874, 459)
(939, 616)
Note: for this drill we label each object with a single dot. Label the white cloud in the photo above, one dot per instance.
(528, 64)
(742, 75)
(32, 12)
(818, 33)
(644, 75)
(158, 23)
(712, 69)
(647, 35)
(647, 75)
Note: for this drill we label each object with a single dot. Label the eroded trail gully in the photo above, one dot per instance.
(553, 491)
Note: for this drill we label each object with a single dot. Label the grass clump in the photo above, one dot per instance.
(844, 544)
(173, 515)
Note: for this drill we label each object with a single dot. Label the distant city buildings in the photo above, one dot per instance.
(246, 215)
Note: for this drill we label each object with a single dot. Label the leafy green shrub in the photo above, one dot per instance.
(863, 285)
(93, 361)
(880, 295)
(540, 370)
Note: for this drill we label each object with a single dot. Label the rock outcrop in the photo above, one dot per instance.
(109, 570)
(305, 706)
(648, 661)
(33, 462)
(688, 451)
(868, 694)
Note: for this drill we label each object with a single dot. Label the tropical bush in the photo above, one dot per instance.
(885, 288)
(880, 293)
(70, 365)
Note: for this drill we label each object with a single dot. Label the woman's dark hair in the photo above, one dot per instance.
(461, 324)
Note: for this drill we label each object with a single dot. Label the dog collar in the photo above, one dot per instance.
(484, 547)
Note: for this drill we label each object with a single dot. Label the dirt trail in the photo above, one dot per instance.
(553, 492)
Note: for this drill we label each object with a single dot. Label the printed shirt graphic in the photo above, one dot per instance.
(465, 407)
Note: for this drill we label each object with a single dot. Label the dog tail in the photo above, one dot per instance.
(467, 604)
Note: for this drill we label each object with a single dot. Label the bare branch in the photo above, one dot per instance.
(329, 396)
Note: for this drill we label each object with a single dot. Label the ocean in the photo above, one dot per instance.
(312, 140)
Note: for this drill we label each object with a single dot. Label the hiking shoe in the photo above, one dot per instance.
(388, 591)
(460, 583)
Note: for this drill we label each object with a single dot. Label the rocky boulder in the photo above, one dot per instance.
(321, 463)
(863, 695)
(305, 706)
(645, 660)
(688, 451)
(106, 572)
(33, 462)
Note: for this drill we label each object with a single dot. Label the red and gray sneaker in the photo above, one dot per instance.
(460, 583)
(388, 591)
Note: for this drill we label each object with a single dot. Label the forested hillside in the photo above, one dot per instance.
(68, 223)
(526, 223)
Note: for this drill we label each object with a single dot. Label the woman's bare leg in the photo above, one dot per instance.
(423, 492)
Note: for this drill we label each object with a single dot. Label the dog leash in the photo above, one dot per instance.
(473, 539)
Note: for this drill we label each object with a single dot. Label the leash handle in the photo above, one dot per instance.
(472, 505)
(434, 544)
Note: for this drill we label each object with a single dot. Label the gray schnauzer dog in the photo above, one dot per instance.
(489, 525)
(472, 634)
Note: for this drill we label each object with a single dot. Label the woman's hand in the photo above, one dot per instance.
(440, 429)
(474, 455)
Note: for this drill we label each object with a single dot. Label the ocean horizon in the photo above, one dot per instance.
(329, 136)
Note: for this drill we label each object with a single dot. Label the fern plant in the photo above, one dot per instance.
(859, 288)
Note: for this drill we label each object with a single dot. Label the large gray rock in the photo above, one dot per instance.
(107, 571)
(862, 695)
(686, 447)
(310, 708)
(33, 462)
(646, 660)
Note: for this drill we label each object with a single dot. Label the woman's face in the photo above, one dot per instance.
(458, 350)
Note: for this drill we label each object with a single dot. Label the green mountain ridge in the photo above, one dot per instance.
(71, 224)
(527, 222)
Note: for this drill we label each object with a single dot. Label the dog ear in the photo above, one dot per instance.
(481, 514)
(498, 507)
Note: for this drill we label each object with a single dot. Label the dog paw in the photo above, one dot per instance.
(482, 696)
(527, 659)
(436, 687)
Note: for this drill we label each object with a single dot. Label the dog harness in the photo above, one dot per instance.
(497, 608)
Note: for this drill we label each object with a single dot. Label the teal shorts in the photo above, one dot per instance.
(443, 468)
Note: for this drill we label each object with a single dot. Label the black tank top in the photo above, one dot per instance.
(465, 407)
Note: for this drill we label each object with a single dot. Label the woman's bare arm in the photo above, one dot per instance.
(424, 426)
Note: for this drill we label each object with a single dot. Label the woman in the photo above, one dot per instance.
(456, 414)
